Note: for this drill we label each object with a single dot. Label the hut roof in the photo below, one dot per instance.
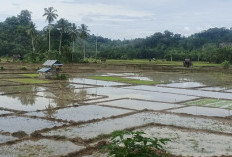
(44, 70)
(51, 63)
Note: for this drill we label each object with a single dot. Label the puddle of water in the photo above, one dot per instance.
(95, 129)
(14, 124)
(117, 93)
(205, 111)
(40, 148)
(208, 79)
(5, 138)
(192, 92)
(184, 85)
(214, 88)
(188, 143)
(79, 95)
(82, 113)
(4, 112)
(96, 82)
(20, 89)
(66, 85)
(229, 90)
(73, 85)
(118, 74)
(141, 105)
(30, 102)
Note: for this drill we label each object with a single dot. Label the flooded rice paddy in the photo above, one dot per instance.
(62, 118)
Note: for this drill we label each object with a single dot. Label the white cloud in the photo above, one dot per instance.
(135, 17)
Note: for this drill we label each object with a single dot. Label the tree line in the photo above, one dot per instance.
(68, 42)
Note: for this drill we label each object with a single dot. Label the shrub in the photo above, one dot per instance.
(226, 64)
(128, 144)
(61, 77)
(2, 68)
(23, 68)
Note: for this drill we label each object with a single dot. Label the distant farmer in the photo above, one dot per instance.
(187, 63)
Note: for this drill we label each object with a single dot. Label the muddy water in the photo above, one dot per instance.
(184, 85)
(116, 93)
(141, 105)
(95, 82)
(176, 90)
(205, 111)
(30, 102)
(5, 138)
(189, 92)
(186, 143)
(107, 126)
(82, 113)
(4, 112)
(14, 124)
(41, 148)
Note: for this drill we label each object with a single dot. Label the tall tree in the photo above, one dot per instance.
(73, 32)
(33, 34)
(63, 26)
(51, 15)
(83, 33)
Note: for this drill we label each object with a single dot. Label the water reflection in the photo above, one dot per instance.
(50, 111)
(64, 92)
(26, 94)
(29, 99)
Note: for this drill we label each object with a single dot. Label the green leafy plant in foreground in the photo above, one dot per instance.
(134, 144)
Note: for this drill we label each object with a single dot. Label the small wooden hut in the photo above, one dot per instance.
(50, 69)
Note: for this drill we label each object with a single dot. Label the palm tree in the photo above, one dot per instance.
(73, 34)
(83, 33)
(51, 15)
(33, 34)
(63, 27)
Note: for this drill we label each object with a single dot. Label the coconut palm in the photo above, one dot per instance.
(73, 34)
(51, 15)
(83, 33)
(63, 27)
(33, 34)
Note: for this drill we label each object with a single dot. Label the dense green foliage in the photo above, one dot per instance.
(135, 144)
(70, 43)
(226, 64)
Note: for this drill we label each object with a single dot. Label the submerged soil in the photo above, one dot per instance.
(75, 117)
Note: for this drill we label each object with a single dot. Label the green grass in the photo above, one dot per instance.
(123, 80)
(157, 62)
(29, 81)
(202, 102)
(211, 103)
(30, 75)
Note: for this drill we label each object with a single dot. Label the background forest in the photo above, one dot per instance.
(71, 43)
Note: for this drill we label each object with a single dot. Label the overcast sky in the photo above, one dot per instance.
(129, 19)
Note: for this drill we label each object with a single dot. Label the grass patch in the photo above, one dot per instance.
(211, 103)
(123, 80)
(158, 62)
(29, 81)
(202, 102)
(30, 75)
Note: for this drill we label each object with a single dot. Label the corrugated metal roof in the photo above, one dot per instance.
(50, 62)
(44, 70)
